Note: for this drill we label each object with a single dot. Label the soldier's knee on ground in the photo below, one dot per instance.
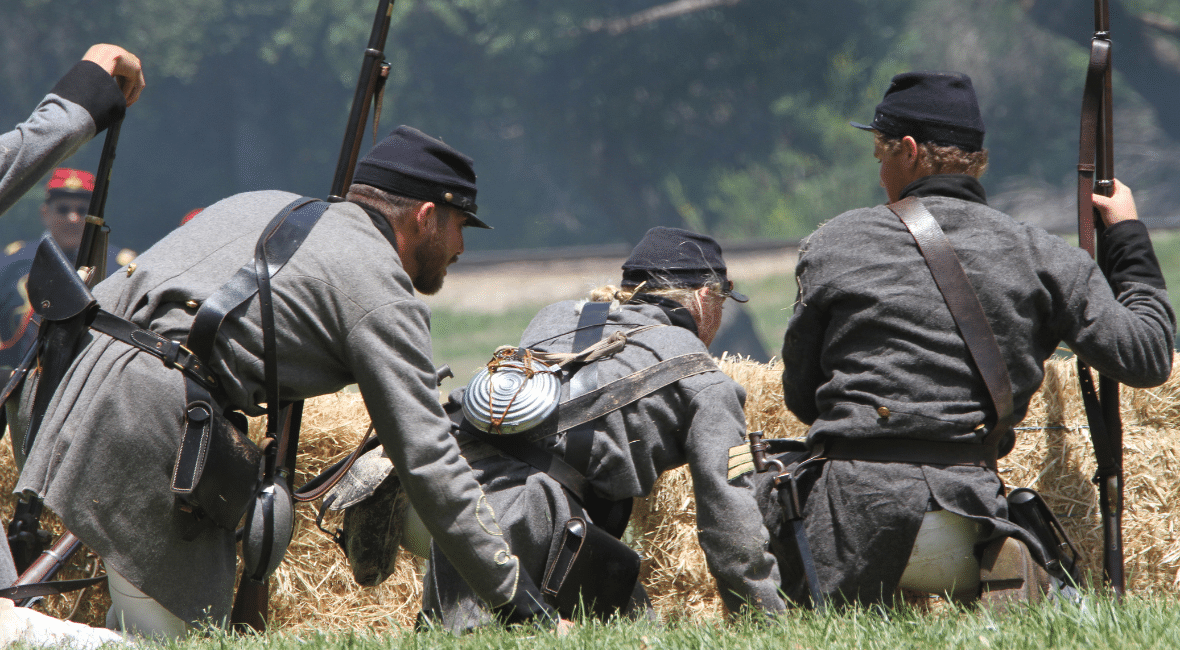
(1009, 575)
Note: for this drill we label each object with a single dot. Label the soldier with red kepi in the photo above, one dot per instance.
(67, 197)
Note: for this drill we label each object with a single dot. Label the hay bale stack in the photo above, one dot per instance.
(314, 590)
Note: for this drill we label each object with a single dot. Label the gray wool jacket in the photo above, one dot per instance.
(870, 329)
(83, 103)
(694, 421)
(345, 312)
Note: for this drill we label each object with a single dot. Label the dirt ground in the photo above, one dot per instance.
(496, 286)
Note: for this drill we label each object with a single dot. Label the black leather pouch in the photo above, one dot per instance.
(592, 571)
(65, 306)
(218, 468)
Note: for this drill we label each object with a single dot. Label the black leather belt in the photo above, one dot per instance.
(917, 452)
(172, 353)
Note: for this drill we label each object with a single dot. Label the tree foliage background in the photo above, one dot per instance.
(593, 121)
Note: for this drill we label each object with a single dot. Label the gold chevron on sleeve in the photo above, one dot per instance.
(740, 461)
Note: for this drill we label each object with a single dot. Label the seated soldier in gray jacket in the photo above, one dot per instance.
(673, 290)
(876, 365)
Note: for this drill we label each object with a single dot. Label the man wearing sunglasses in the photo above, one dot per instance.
(67, 198)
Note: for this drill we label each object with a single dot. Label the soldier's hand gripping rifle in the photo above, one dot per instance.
(1096, 175)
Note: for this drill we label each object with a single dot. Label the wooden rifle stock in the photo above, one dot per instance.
(1096, 175)
(48, 564)
(369, 85)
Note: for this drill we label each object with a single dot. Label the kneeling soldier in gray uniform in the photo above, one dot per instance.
(876, 365)
(564, 487)
(105, 457)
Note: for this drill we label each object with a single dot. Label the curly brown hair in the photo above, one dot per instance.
(938, 159)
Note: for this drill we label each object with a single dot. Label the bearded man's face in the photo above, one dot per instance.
(434, 254)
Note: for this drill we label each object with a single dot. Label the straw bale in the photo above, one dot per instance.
(88, 606)
(314, 590)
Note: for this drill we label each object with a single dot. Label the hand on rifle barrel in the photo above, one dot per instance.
(120, 64)
(1118, 207)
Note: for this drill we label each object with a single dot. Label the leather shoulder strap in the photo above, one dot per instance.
(626, 390)
(579, 443)
(570, 478)
(283, 236)
(965, 308)
(278, 242)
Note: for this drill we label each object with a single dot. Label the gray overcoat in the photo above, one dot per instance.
(694, 421)
(871, 330)
(345, 313)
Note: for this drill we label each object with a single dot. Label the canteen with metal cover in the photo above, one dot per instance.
(514, 393)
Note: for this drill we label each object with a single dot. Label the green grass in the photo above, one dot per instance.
(465, 341)
(1138, 622)
(1167, 249)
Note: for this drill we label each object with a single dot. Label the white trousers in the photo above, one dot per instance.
(943, 560)
(134, 612)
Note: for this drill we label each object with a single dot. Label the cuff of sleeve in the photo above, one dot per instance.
(1128, 256)
(89, 86)
(527, 606)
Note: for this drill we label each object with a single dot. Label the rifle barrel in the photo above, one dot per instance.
(365, 85)
(93, 250)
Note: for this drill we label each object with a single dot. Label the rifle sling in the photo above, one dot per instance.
(54, 588)
(1087, 149)
(963, 303)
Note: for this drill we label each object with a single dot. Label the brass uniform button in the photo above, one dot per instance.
(130, 269)
(883, 411)
(192, 304)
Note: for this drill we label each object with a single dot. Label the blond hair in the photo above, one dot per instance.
(609, 292)
(686, 296)
(936, 158)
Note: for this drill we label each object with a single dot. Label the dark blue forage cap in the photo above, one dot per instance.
(677, 258)
(938, 107)
(412, 164)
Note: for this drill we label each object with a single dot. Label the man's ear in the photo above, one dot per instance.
(909, 148)
(426, 218)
